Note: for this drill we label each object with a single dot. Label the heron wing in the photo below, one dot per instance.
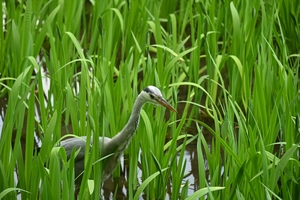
(80, 143)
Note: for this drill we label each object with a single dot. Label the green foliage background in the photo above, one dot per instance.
(235, 62)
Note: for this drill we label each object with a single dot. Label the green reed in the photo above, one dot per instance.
(237, 61)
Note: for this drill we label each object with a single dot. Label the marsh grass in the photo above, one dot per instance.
(238, 62)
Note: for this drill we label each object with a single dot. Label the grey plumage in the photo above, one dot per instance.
(119, 142)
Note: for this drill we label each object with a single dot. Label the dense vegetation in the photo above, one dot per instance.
(79, 65)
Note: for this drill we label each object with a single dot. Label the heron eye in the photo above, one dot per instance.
(151, 96)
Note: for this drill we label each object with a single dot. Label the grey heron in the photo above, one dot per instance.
(116, 145)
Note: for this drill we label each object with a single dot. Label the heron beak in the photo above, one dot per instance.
(166, 104)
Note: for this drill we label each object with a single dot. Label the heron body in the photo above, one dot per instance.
(116, 145)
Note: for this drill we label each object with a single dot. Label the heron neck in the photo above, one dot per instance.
(129, 129)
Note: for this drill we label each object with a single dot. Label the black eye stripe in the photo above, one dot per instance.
(147, 90)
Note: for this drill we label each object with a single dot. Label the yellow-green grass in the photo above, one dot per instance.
(238, 62)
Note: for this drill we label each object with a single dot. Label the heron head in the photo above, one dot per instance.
(153, 94)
